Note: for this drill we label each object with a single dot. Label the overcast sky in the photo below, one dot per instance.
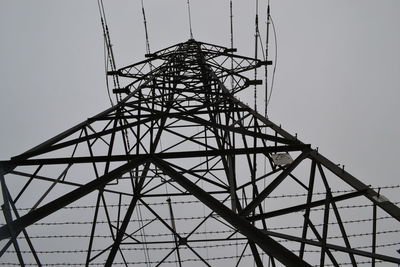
(337, 82)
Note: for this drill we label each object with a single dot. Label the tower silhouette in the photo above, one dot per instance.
(181, 172)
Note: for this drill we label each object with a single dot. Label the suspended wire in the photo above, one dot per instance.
(105, 48)
(350, 263)
(170, 261)
(231, 24)
(190, 19)
(269, 197)
(202, 218)
(189, 259)
(275, 60)
(105, 71)
(109, 51)
(266, 58)
(127, 249)
(145, 29)
(205, 233)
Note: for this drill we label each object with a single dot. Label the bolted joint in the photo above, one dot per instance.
(265, 63)
(230, 50)
(182, 241)
(121, 91)
(253, 82)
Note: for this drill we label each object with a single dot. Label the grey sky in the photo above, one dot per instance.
(337, 83)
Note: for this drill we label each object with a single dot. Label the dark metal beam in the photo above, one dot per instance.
(8, 217)
(167, 155)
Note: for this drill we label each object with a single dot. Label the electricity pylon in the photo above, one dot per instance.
(180, 172)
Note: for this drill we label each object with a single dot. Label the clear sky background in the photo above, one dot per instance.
(337, 83)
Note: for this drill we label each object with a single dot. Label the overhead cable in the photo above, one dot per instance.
(183, 247)
(109, 54)
(266, 58)
(269, 197)
(275, 60)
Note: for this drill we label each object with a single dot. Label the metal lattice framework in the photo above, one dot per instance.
(181, 172)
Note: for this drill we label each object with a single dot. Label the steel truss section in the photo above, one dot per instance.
(180, 172)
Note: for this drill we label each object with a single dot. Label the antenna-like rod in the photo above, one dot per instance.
(231, 16)
(231, 21)
(190, 20)
(145, 29)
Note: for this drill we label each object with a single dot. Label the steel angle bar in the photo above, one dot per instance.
(8, 217)
(303, 206)
(167, 155)
(256, 254)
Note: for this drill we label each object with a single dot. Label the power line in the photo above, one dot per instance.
(196, 202)
(275, 60)
(106, 45)
(195, 247)
(205, 233)
(202, 218)
(269, 197)
(266, 58)
(188, 259)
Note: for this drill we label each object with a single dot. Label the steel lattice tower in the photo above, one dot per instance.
(180, 172)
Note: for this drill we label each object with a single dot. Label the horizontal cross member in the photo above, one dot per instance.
(169, 155)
